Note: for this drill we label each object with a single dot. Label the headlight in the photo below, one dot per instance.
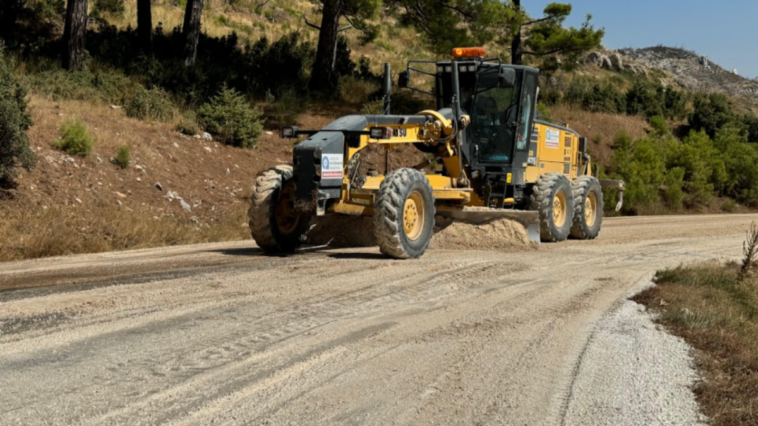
(288, 132)
(380, 133)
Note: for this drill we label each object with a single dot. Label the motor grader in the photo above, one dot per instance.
(498, 160)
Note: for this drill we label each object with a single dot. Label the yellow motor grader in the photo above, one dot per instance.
(497, 161)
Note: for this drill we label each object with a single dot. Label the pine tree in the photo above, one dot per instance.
(354, 13)
(191, 30)
(74, 32)
(145, 26)
(547, 36)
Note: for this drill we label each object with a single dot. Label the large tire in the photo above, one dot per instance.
(404, 214)
(588, 208)
(273, 223)
(553, 198)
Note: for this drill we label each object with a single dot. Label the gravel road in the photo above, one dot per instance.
(222, 334)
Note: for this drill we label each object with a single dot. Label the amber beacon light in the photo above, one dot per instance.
(469, 52)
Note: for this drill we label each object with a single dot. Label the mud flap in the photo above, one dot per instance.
(528, 219)
(618, 185)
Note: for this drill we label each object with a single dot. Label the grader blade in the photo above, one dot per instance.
(530, 220)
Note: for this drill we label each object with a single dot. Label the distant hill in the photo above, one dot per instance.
(693, 72)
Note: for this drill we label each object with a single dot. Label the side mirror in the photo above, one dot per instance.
(404, 79)
(507, 77)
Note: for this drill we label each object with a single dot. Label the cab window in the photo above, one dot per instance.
(493, 122)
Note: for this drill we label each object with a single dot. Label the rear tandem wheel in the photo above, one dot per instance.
(588, 208)
(553, 198)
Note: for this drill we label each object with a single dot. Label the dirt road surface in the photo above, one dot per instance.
(221, 334)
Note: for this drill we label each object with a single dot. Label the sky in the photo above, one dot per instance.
(724, 30)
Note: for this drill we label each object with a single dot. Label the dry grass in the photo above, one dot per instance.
(395, 44)
(717, 313)
(601, 128)
(63, 230)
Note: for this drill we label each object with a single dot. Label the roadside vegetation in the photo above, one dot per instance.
(714, 307)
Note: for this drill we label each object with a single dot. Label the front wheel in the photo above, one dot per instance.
(274, 224)
(404, 214)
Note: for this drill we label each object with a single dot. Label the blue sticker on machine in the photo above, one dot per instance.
(331, 166)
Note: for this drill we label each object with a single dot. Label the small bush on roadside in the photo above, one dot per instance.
(75, 139)
(153, 104)
(229, 116)
(14, 122)
(123, 157)
(187, 124)
(729, 206)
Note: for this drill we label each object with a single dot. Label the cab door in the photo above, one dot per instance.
(493, 120)
(524, 126)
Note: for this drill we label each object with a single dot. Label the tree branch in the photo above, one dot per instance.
(260, 6)
(352, 25)
(536, 21)
(458, 10)
(309, 24)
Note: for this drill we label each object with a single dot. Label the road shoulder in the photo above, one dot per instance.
(633, 373)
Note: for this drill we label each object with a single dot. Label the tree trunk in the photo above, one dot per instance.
(191, 30)
(322, 77)
(517, 53)
(74, 32)
(9, 18)
(145, 26)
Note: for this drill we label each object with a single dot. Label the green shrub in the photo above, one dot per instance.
(104, 85)
(284, 109)
(14, 122)
(729, 206)
(187, 124)
(675, 103)
(603, 98)
(75, 140)
(123, 157)
(711, 113)
(373, 108)
(751, 126)
(642, 99)
(230, 117)
(153, 104)
(658, 123)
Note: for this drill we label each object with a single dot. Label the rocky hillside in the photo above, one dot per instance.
(692, 71)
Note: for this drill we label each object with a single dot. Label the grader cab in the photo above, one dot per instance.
(498, 161)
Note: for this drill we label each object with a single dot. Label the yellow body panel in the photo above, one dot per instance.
(557, 151)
